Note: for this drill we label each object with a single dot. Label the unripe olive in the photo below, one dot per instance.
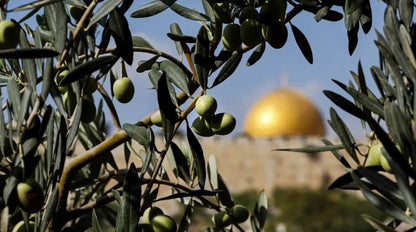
(223, 123)
(374, 154)
(30, 196)
(156, 118)
(201, 126)
(250, 32)
(231, 37)
(276, 34)
(163, 223)
(385, 164)
(20, 227)
(88, 111)
(150, 213)
(249, 12)
(222, 12)
(221, 219)
(76, 12)
(59, 78)
(9, 34)
(123, 90)
(206, 105)
(91, 85)
(239, 213)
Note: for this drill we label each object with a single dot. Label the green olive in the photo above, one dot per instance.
(231, 37)
(20, 227)
(90, 86)
(374, 154)
(9, 34)
(201, 126)
(239, 213)
(249, 12)
(156, 118)
(223, 123)
(70, 102)
(88, 111)
(206, 105)
(250, 32)
(123, 90)
(163, 223)
(76, 12)
(30, 196)
(221, 219)
(276, 34)
(150, 213)
(62, 88)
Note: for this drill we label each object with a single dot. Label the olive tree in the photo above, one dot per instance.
(52, 78)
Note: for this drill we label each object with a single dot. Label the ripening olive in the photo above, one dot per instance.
(221, 219)
(150, 213)
(30, 196)
(201, 126)
(9, 34)
(239, 213)
(276, 34)
(231, 37)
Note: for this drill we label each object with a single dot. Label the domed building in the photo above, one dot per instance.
(283, 112)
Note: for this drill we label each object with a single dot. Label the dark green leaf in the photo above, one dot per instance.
(152, 8)
(28, 53)
(312, 149)
(103, 11)
(303, 43)
(352, 5)
(50, 210)
(224, 195)
(47, 78)
(188, 13)
(382, 203)
(141, 42)
(87, 68)
(201, 57)
(352, 39)
(96, 227)
(257, 54)
(74, 126)
(138, 133)
(175, 74)
(119, 27)
(366, 20)
(344, 104)
(187, 217)
(198, 155)
(197, 193)
(183, 38)
(166, 107)
(344, 134)
(29, 65)
(208, 10)
(321, 13)
(146, 65)
(129, 209)
(376, 224)
(181, 163)
(13, 96)
(337, 153)
(260, 209)
(406, 11)
(229, 67)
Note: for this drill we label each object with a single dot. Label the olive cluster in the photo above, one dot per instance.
(237, 214)
(255, 25)
(154, 220)
(89, 84)
(209, 123)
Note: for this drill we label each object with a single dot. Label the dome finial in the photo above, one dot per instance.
(284, 81)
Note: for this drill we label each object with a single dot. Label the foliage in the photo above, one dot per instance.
(43, 118)
(387, 114)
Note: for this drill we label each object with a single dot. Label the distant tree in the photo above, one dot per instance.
(54, 72)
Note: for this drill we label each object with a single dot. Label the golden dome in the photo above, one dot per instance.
(284, 112)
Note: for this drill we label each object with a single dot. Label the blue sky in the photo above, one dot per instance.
(331, 61)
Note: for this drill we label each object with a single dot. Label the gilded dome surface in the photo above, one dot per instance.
(284, 112)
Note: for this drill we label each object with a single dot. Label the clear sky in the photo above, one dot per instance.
(331, 61)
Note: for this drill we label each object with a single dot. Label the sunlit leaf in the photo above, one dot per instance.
(152, 8)
(188, 13)
(175, 74)
(103, 11)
